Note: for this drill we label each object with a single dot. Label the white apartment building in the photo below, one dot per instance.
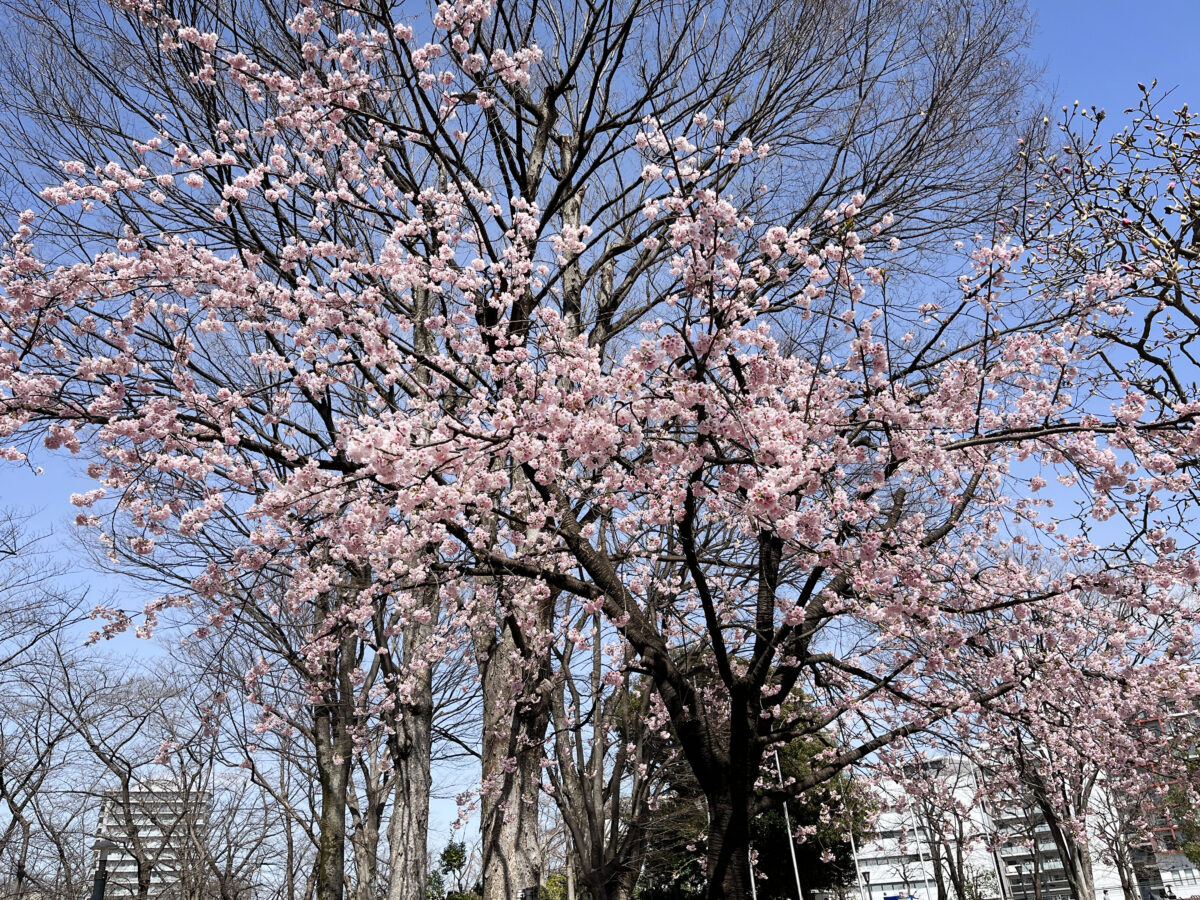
(898, 861)
(158, 822)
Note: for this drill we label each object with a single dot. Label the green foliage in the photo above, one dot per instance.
(435, 888)
(981, 883)
(554, 888)
(825, 859)
(453, 862)
(674, 840)
(834, 809)
(453, 859)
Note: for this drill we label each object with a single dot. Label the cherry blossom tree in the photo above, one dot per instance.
(943, 809)
(763, 445)
(547, 108)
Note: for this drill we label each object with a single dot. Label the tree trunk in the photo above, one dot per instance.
(1076, 858)
(1129, 886)
(514, 729)
(289, 858)
(622, 885)
(143, 880)
(334, 748)
(364, 839)
(22, 858)
(408, 830)
(939, 874)
(333, 773)
(411, 747)
(1078, 866)
(727, 863)
(728, 785)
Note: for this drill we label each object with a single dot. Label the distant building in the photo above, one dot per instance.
(1168, 872)
(897, 862)
(1031, 865)
(159, 825)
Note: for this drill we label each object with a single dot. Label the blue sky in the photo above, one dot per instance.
(1095, 51)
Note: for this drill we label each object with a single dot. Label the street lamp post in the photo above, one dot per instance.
(867, 878)
(102, 846)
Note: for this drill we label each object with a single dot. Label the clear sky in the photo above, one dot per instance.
(1096, 51)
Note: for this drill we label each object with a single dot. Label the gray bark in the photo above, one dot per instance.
(514, 729)
(411, 747)
(334, 749)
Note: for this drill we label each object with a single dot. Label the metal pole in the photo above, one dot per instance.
(787, 821)
(858, 875)
(920, 853)
(853, 844)
(102, 846)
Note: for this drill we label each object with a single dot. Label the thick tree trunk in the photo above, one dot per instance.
(334, 749)
(333, 772)
(364, 839)
(408, 830)
(727, 862)
(728, 786)
(143, 880)
(514, 729)
(618, 887)
(939, 874)
(411, 747)
(1078, 866)
(1076, 858)
(621, 885)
